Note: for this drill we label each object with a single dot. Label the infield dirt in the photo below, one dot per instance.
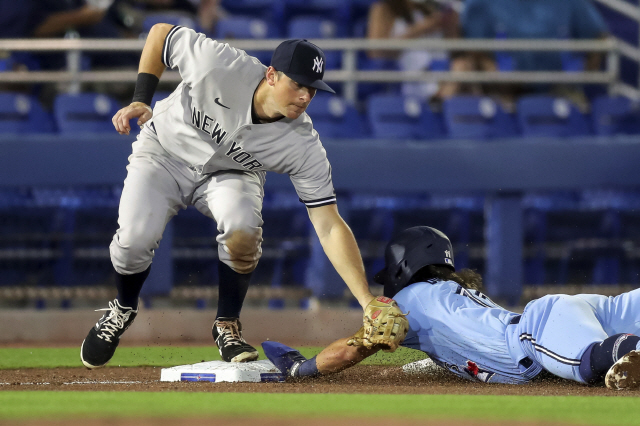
(359, 379)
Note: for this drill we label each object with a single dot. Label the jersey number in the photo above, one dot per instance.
(477, 297)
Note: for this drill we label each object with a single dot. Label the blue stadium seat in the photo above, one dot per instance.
(334, 118)
(263, 9)
(359, 12)
(630, 229)
(366, 89)
(337, 10)
(95, 223)
(359, 28)
(618, 228)
(572, 62)
(576, 238)
(6, 64)
(30, 244)
(504, 60)
(85, 112)
(23, 114)
(310, 27)
(398, 117)
(550, 116)
(443, 64)
(241, 27)
(195, 248)
(477, 117)
(595, 257)
(371, 220)
(615, 115)
(286, 245)
(544, 219)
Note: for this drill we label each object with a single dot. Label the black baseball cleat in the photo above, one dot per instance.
(227, 332)
(103, 339)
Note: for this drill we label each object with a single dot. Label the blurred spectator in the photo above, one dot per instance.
(205, 12)
(406, 19)
(53, 18)
(566, 19)
(49, 18)
(530, 19)
(209, 12)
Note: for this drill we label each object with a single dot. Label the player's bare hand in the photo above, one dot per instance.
(139, 110)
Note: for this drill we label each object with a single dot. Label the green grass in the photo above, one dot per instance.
(580, 410)
(158, 356)
(618, 410)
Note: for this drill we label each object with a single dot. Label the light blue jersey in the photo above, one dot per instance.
(463, 331)
(468, 334)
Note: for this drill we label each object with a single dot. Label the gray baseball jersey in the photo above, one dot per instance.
(207, 121)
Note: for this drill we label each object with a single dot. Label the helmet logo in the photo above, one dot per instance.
(447, 258)
(317, 64)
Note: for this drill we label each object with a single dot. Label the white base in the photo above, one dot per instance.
(424, 366)
(220, 371)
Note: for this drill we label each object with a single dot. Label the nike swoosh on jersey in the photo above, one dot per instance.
(223, 106)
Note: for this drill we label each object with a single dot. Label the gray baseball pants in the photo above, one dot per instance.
(159, 185)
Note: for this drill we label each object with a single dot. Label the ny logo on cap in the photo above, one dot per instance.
(317, 64)
(447, 253)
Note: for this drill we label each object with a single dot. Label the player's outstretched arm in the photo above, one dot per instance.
(335, 357)
(342, 250)
(150, 70)
(339, 356)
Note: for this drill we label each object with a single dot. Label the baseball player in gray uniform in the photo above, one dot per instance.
(209, 144)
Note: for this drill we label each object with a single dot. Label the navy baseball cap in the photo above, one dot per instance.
(301, 61)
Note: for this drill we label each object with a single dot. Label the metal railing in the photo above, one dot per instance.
(349, 74)
(633, 12)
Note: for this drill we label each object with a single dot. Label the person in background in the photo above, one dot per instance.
(205, 13)
(408, 19)
(54, 18)
(47, 18)
(527, 19)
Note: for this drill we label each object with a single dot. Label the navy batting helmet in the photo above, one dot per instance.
(408, 252)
